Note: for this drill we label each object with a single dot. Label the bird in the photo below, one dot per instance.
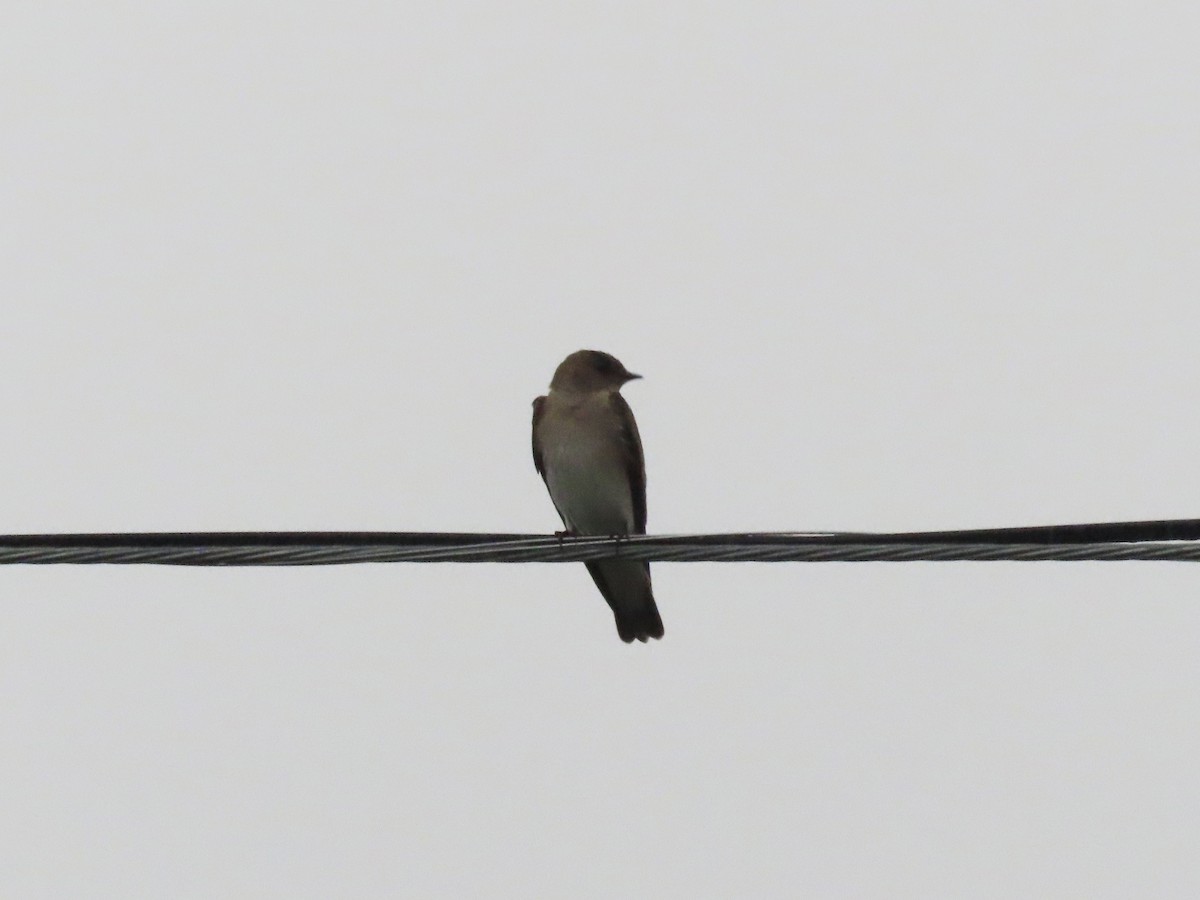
(588, 451)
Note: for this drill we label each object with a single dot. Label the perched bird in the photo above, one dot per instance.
(587, 449)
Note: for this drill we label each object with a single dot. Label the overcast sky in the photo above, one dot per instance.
(304, 266)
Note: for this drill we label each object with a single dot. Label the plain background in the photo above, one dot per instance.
(304, 266)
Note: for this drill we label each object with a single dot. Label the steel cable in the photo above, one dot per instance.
(1157, 540)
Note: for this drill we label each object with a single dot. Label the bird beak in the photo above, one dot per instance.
(630, 376)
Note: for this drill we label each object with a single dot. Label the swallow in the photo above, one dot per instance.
(587, 449)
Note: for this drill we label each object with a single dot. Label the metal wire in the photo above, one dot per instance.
(1157, 540)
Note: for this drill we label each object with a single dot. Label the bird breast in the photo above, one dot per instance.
(586, 473)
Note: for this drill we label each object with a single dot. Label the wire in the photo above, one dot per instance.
(1177, 539)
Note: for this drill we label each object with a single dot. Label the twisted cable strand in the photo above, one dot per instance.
(1177, 540)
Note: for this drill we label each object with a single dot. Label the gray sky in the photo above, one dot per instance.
(304, 266)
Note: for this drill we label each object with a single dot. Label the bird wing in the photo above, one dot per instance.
(539, 404)
(635, 463)
(539, 463)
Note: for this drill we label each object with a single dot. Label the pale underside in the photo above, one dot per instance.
(585, 469)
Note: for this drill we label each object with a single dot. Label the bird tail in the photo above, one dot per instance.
(625, 584)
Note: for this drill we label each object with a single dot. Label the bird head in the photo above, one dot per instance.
(587, 371)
